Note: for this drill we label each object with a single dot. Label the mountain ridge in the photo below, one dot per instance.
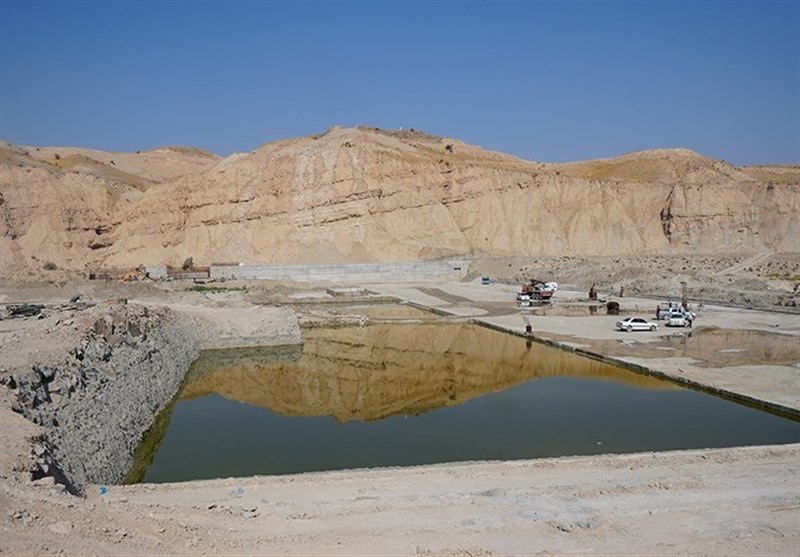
(363, 194)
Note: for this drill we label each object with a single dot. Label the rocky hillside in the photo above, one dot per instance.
(364, 194)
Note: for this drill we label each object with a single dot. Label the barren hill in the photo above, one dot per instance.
(363, 194)
(57, 203)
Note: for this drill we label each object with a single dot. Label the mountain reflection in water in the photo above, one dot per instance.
(369, 373)
(411, 394)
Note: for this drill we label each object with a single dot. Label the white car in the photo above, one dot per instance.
(681, 319)
(635, 324)
(676, 320)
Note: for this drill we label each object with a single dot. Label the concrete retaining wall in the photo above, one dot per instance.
(359, 272)
(156, 272)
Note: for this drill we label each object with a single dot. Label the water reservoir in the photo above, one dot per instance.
(423, 393)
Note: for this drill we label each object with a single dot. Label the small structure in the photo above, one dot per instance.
(193, 273)
(336, 272)
(354, 292)
(156, 272)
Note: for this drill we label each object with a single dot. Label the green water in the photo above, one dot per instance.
(399, 395)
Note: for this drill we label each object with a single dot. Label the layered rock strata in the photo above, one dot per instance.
(367, 195)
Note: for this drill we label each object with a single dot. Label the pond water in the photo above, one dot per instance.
(398, 395)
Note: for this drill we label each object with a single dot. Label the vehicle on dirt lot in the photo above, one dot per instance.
(680, 319)
(665, 309)
(631, 324)
(536, 291)
(676, 319)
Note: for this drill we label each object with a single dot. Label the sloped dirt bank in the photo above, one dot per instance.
(96, 403)
(104, 373)
(737, 501)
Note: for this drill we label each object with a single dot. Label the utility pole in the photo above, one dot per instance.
(684, 301)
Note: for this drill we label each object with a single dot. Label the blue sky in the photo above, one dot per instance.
(547, 81)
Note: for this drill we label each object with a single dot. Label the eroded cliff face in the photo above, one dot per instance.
(361, 195)
(53, 218)
(58, 205)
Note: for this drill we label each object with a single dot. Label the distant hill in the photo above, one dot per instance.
(364, 194)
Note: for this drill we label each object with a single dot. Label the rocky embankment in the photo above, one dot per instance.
(98, 393)
(96, 403)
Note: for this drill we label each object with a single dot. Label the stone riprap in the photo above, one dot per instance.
(97, 402)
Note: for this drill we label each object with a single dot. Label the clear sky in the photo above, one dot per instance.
(547, 81)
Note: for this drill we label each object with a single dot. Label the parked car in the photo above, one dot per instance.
(631, 324)
(680, 319)
(676, 319)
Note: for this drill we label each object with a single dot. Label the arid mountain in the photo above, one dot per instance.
(57, 204)
(363, 194)
(143, 168)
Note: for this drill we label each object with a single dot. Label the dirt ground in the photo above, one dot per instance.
(712, 502)
(740, 501)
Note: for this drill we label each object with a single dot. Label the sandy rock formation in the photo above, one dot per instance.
(363, 194)
(57, 204)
